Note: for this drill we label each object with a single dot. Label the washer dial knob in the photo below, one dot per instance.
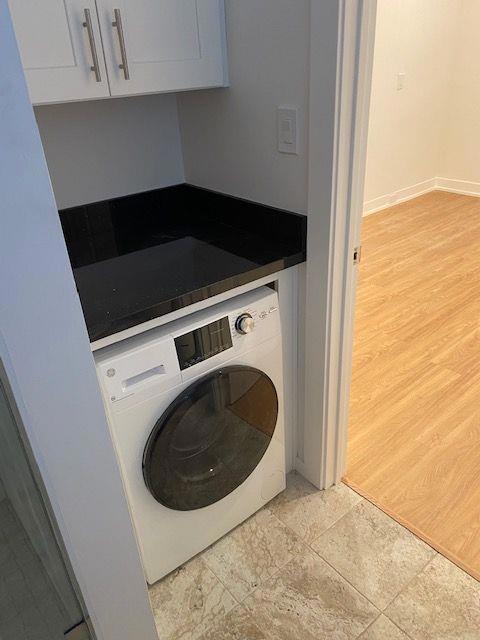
(244, 323)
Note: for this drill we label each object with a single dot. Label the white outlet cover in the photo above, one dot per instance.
(400, 81)
(287, 129)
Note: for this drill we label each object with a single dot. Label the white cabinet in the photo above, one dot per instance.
(58, 51)
(166, 45)
(83, 49)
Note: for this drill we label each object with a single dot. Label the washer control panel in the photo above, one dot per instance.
(140, 367)
(256, 320)
(244, 323)
(271, 309)
(203, 343)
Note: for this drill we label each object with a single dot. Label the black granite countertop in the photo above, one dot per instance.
(141, 256)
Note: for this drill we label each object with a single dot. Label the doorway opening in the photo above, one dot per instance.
(414, 425)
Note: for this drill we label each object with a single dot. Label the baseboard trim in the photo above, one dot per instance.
(402, 195)
(451, 185)
(458, 186)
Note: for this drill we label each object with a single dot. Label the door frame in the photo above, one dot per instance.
(340, 84)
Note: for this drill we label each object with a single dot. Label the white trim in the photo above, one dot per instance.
(408, 193)
(340, 73)
(365, 39)
(458, 186)
(325, 19)
(402, 195)
(287, 289)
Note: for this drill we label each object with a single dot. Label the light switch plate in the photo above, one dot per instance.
(287, 129)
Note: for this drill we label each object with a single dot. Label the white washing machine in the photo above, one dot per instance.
(196, 414)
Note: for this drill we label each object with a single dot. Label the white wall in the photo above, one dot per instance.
(106, 148)
(460, 157)
(229, 135)
(45, 350)
(406, 132)
(427, 135)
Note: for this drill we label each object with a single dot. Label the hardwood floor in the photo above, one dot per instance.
(414, 438)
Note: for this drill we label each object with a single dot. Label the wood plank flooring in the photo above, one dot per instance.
(414, 436)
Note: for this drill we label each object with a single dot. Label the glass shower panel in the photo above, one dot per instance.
(37, 598)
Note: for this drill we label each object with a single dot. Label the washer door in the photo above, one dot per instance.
(210, 438)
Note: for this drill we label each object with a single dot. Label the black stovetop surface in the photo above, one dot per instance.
(141, 256)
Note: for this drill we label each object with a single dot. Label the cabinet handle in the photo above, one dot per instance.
(91, 38)
(121, 39)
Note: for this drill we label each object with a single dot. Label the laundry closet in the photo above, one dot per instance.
(175, 343)
(176, 148)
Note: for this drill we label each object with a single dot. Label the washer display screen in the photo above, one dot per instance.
(203, 343)
(211, 438)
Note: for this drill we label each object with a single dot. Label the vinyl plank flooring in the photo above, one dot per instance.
(414, 439)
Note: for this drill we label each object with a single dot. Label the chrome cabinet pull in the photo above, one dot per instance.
(121, 39)
(91, 38)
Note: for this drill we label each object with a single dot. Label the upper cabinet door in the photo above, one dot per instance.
(61, 49)
(163, 45)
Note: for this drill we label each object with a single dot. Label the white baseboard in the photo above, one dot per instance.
(383, 202)
(408, 193)
(458, 186)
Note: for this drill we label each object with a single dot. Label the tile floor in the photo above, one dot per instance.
(29, 607)
(318, 565)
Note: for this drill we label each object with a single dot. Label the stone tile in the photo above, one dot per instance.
(308, 511)
(189, 601)
(383, 629)
(373, 552)
(236, 625)
(308, 600)
(252, 553)
(441, 603)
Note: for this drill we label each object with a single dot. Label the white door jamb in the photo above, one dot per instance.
(340, 81)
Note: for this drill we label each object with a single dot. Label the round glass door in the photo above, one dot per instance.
(210, 438)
